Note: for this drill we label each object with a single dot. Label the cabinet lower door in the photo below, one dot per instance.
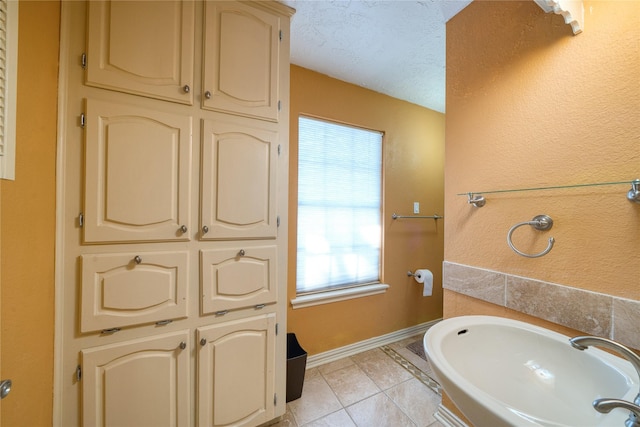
(143, 382)
(236, 372)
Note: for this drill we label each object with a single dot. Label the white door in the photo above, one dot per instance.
(139, 383)
(236, 366)
(241, 53)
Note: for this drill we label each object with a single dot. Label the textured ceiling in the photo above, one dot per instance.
(395, 47)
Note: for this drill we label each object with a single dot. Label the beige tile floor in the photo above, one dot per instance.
(384, 387)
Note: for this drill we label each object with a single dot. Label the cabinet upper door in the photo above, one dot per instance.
(142, 47)
(143, 382)
(236, 372)
(239, 165)
(241, 49)
(137, 174)
(126, 289)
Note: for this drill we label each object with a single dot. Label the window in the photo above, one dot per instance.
(339, 206)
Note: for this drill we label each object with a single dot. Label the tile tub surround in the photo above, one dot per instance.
(591, 312)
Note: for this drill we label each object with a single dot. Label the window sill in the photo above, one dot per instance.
(339, 295)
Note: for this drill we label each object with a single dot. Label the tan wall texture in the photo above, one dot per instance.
(27, 226)
(413, 171)
(531, 105)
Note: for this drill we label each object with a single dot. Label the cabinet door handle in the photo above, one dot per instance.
(183, 229)
(183, 345)
(186, 89)
(164, 322)
(137, 259)
(109, 331)
(260, 306)
(203, 342)
(221, 312)
(207, 95)
(242, 252)
(205, 229)
(5, 388)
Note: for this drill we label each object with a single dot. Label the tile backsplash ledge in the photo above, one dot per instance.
(591, 312)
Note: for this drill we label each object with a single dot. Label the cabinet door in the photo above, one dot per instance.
(238, 278)
(142, 47)
(238, 181)
(137, 174)
(134, 288)
(143, 382)
(236, 369)
(241, 48)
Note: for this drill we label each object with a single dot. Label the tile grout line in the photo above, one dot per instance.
(413, 369)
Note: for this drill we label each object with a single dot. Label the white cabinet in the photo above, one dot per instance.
(126, 289)
(147, 48)
(236, 369)
(142, 47)
(241, 59)
(140, 383)
(239, 169)
(174, 210)
(137, 173)
(238, 278)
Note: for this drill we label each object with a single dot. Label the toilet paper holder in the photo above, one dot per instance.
(412, 274)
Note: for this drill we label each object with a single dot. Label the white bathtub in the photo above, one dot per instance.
(502, 372)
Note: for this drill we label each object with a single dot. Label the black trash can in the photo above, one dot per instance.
(296, 365)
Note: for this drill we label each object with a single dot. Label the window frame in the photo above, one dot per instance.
(341, 292)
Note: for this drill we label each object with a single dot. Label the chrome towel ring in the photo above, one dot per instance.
(539, 222)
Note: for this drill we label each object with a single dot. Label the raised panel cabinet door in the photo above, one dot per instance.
(142, 47)
(137, 174)
(241, 48)
(139, 383)
(236, 370)
(238, 278)
(127, 289)
(239, 169)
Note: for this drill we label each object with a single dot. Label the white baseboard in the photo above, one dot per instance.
(359, 347)
(448, 418)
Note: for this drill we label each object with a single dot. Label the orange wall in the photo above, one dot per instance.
(528, 105)
(413, 171)
(27, 226)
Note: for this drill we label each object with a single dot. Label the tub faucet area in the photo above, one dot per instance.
(606, 405)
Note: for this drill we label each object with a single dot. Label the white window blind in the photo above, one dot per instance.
(339, 206)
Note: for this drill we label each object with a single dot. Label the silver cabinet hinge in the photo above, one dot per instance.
(278, 221)
(276, 329)
(83, 61)
(78, 373)
(83, 120)
(275, 399)
(81, 219)
(280, 35)
(279, 149)
(279, 105)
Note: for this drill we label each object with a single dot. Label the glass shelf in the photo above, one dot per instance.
(555, 187)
